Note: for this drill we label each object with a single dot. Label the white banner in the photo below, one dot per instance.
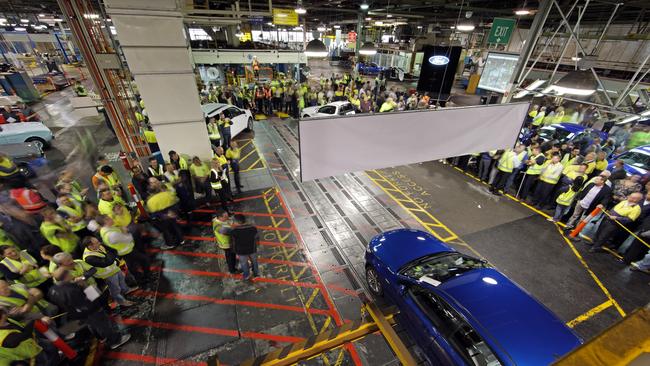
(334, 146)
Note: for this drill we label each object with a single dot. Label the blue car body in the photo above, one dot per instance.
(491, 315)
(370, 68)
(568, 132)
(637, 160)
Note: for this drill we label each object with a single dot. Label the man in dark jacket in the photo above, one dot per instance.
(69, 295)
(593, 195)
(245, 238)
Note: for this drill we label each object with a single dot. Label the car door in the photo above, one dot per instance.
(11, 134)
(238, 119)
(345, 109)
(327, 110)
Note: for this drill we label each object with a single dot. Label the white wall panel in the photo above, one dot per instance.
(140, 30)
(170, 98)
(333, 146)
(141, 4)
(187, 138)
(246, 57)
(143, 60)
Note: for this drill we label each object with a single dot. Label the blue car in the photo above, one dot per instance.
(637, 160)
(370, 68)
(458, 309)
(569, 132)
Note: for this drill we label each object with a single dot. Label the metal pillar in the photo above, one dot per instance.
(106, 71)
(359, 35)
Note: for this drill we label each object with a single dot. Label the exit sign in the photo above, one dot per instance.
(501, 31)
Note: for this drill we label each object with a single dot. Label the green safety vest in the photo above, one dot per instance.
(200, 170)
(506, 163)
(32, 278)
(104, 272)
(19, 296)
(76, 211)
(386, 107)
(5, 239)
(26, 350)
(106, 207)
(122, 249)
(566, 198)
(8, 164)
(213, 131)
(215, 185)
(161, 201)
(550, 176)
(68, 243)
(182, 163)
(573, 174)
(223, 241)
(535, 169)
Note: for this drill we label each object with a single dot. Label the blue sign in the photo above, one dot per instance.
(438, 60)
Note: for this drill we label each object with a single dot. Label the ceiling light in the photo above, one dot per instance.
(299, 8)
(364, 6)
(576, 58)
(419, 27)
(532, 86)
(20, 29)
(465, 27)
(522, 12)
(578, 82)
(452, 27)
(337, 26)
(321, 28)
(368, 49)
(368, 18)
(316, 48)
(379, 22)
(389, 15)
(297, 28)
(24, 20)
(57, 19)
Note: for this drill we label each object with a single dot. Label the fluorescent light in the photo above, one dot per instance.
(24, 20)
(531, 87)
(452, 27)
(368, 49)
(465, 27)
(576, 58)
(57, 19)
(368, 18)
(646, 113)
(389, 15)
(20, 29)
(321, 29)
(316, 48)
(379, 22)
(364, 6)
(91, 16)
(41, 15)
(630, 119)
(522, 12)
(337, 26)
(573, 91)
(297, 28)
(419, 27)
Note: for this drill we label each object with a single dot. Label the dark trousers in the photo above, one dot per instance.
(260, 105)
(234, 165)
(231, 260)
(529, 183)
(500, 180)
(103, 328)
(225, 139)
(543, 193)
(607, 232)
(171, 230)
(138, 264)
(635, 252)
(223, 195)
(484, 169)
(276, 103)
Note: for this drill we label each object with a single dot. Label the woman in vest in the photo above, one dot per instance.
(105, 262)
(218, 181)
(21, 267)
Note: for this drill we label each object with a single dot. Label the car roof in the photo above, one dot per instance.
(210, 108)
(390, 247)
(571, 127)
(339, 103)
(517, 326)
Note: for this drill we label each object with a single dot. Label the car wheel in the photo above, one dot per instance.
(306, 116)
(249, 126)
(374, 283)
(38, 142)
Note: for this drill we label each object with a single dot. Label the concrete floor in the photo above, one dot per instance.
(314, 237)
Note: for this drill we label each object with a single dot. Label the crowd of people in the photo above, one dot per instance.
(571, 179)
(286, 95)
(82, 255)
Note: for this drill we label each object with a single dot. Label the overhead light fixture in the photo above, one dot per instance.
(364, 6)
(321, 28)
(389, 15)
(297, 28)
(522, 12)
(316, 48)
(57, 19)
(368, 49)
(577, 82)
(299, 8)
(465, 27)
(24, 20)
(452, 27)
(20, 29)
(531, 87)
(41, 15)
(337, 26)
(419, 27)
(576, 58)
(379, 22)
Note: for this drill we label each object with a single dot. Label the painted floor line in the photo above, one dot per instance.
(221, 256)
(590, 313)
(261, 242)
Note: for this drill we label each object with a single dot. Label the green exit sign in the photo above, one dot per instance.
(501, 31)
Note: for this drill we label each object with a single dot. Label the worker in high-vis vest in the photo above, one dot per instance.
(200, 172)
(538, 119)
(224, 126)
(21, 267)
(18, 343)
(566, 197)
(105, 263)
(73, 213)
(80, 270)
(601, 163)
(9, 172)
(213, 132)
(23, 302)
(108, 199)
(509, 161)
(155, 169)
(57, 232)
(233, 154)
(535, 163)
(388, 105)
(220, 156)
(122, 242)
(572, 157)
(162, 207)
(106, 175)
(624, 213)
(221, 225)
(548, 178)
(219, 182)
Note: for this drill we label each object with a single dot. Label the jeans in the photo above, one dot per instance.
(500, 181)
(243, 263)
(171, 231)
(484, 169)
(225, 138)
(578, 213)
(103, 327)
(589, 231)
(116, 286)
(560, 211)
(529, 182)
(137, 261)
(234, 165)
(511, 180)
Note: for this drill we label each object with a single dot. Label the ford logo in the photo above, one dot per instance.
(438, 60)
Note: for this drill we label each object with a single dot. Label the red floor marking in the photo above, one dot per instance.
(211, 331)
(245, 213)
(330, 304)
(261, 242)
(267, 228)
(124, 356)
(254, 304)
(221, 256)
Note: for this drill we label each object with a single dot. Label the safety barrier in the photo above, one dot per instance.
(57, 341)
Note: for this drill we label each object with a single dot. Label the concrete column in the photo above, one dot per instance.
(152, 36)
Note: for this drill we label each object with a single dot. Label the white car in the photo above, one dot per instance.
(340, 108)
(15, 133)
(242, 119)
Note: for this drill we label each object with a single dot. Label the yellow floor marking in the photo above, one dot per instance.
(247, 155)
(590, 313)
(312, 298)
(591, 273)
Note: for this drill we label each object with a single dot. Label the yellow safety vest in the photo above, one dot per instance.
(535, 169)
(102, 272)
(550, 174)
(233, 154)
(110, 180)
(590, 167)
(223, 241)
(68, 243)
(221, 159)
(182, 163)
(80, 267)
(122, 249)
(213, 131)
(5, 239)
(19, 296)
(122, 220)
(538, 119)
(506, 163)
(26, 350)
(573, 174)
(601, 165)
(106, 207)
(32, 278)
(386, 107)
(161, 201)
(566, 198)
(76, 212)
(200, 170)
(624, 209)
(156, 173)
(8, 164)
(215, 185)
(150, 137)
